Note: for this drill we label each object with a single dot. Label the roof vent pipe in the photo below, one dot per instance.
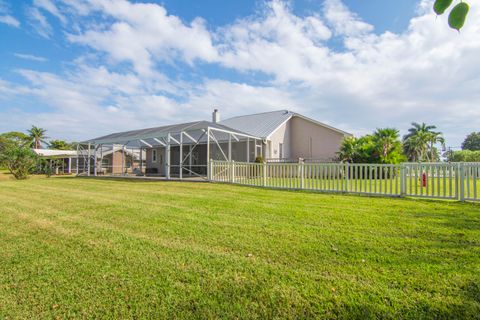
(215, 116)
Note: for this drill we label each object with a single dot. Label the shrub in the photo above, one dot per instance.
(464, 156)
(19, 161)
(259, 159)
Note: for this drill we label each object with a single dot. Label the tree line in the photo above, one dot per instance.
(17, 155)
(422, 143)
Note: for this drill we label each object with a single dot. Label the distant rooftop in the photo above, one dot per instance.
(55, 153)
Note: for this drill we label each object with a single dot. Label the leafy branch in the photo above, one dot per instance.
(457, 16)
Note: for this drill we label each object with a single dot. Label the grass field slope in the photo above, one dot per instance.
(92, 248)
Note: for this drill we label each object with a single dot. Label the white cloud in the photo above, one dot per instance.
(39, 22)
(6, 17)
(343, 21)
(144, 33)
(30, 57)
(277, 43)
(50, 7)
(9, 20)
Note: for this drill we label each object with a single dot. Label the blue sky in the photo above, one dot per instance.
(86, 68)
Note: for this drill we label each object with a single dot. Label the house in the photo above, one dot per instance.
(60, 161)
(290, 135)
(186, 148)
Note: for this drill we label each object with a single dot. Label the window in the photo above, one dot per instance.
(154, 155)
(105, 163)
(280, 150)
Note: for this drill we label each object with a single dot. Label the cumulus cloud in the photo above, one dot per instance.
(343, 21)
(144, 33)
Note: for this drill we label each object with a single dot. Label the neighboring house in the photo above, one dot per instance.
(186, 148)
(61, 161)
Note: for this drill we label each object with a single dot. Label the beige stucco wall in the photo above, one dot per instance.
(281, 135)
(313, 141)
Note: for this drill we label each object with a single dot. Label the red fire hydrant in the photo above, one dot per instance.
(424, 180)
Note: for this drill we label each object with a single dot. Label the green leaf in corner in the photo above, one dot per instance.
(457, 16)
(441, 5)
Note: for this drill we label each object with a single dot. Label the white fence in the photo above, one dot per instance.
(456, 181)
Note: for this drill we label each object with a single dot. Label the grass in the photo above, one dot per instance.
(86, 248)
(435, 187)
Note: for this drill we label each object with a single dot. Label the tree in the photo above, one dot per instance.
(383, 146)
(419, 143)
(13, 138)
(59, 145)
(388, 146)
(416, 147)
(349, 149)
(19, 161)
(457, 16)
(472, 142)
(434, 138)
(464, 156)
(37, 135)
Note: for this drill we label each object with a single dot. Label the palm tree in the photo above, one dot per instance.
(416, 147)
(416, 128)
(419, 142)
(37, 135)
(349, 149)
(436, 137)
(386, 141)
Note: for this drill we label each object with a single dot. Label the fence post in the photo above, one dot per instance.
(233, 171)
(264, 181)
(347, 177)
(210, 170)
(403, 180)
(461, 171)
(302, 175)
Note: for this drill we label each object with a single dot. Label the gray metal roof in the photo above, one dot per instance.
(194, 128)
(264, 124)
(259, 124)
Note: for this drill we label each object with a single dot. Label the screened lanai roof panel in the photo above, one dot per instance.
(161, 132)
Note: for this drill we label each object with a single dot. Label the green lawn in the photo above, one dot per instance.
(86, 248)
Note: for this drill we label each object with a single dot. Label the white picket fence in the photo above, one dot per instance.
(456, 181)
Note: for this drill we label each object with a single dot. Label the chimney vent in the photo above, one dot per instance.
(215, 116)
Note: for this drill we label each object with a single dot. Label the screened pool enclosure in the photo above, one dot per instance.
(174, 151)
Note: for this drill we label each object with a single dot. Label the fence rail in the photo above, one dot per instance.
(455, 181)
